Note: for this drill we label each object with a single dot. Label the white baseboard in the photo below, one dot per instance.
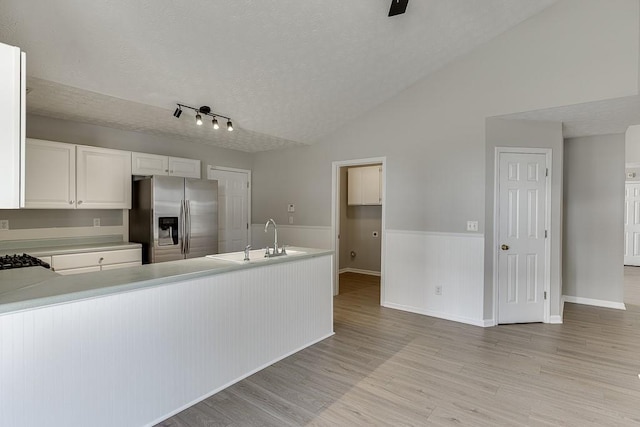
(556, 320)
(359, 271)
(439, 315)
(595, 302)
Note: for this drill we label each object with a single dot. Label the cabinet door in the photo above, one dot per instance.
(149, 164)
(354, 186)
(186, 168)
(12, 101)
(50, 175)
(103, 178)
(371, 185)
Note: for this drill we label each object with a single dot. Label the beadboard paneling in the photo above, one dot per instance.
(416, 262)
(134, 358)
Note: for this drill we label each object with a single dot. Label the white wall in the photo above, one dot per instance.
(593, 220)
(525, 133)
(433, 133)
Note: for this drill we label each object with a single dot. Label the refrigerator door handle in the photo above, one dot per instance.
(182, 227)
(188, 203)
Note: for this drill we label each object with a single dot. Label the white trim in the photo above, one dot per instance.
(438, 314)
(496, 224)
(248, 172)
(436, 233)
(487, 323)
(595, 302)
(335, 214)
(556, 320)
(232, 382)
(632, 165)
(358, 271)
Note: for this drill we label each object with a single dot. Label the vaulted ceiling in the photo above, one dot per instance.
(286, 71)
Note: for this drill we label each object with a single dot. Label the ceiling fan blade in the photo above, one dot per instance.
(398, 7)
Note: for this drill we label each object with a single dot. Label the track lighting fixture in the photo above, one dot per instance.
(204, 110)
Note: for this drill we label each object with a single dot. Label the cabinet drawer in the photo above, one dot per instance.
(88, 259)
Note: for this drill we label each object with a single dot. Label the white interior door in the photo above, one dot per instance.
(521, 237)
(233, 209)
(632, 224)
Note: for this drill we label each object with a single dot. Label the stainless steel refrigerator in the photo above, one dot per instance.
(174, 218)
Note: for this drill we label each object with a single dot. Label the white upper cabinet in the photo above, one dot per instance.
(50, 175)
(187, 168)
(12, 125)
(103, 178)
(153, 164)
(364, 185)
(149, 164)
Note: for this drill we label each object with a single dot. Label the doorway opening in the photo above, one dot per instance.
(631, 295)
(358, 223)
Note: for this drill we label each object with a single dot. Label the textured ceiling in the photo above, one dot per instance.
(293, 70)
(610, 116)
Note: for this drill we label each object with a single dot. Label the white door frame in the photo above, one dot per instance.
(496, 225)
(335, 216)
(248, 172)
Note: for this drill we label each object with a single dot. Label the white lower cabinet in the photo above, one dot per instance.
(96, 261)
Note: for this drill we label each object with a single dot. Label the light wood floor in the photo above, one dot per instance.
(387, 367)
(632, 285)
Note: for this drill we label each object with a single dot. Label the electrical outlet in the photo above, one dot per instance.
(438, 290)
(4, 224)
(291, 208)
(96, 222)
(472, 225)
(290, 219)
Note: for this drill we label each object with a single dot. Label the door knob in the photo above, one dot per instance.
(504, 247)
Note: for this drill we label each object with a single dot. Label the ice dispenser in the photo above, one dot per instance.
(167, 230)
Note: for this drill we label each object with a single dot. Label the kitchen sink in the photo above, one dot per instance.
(256, 255)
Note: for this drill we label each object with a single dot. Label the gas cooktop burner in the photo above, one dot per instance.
(18, 261)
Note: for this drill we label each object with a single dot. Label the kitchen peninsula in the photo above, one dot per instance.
(130, 347)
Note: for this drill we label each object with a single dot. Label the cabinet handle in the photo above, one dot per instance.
(100, 260)
(79, 202)
(166, 170)
(70, 202)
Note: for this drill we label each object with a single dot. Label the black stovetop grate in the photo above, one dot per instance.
(18, 261)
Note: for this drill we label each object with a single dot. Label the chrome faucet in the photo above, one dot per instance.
(246, 253)
(275, 236)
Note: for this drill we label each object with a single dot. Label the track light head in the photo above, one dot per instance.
(229, 126)
(198, 119)
(215, 123)
(177, 113)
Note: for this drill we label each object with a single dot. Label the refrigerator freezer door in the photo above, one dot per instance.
(202, 225)
(168, 196)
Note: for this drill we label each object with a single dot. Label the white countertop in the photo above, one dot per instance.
(34, 287)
